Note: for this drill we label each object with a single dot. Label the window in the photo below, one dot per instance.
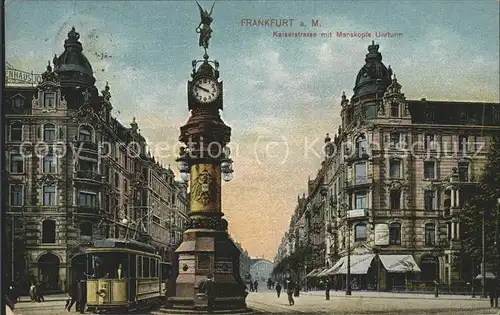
(86, 229)
(360, 232)
(394, 109)
(429, 142)
(117, 180)
(49, 132)
(429, 170)
(361, 146)
(85, 133)
(16, 131)
(16, 163)
(49, 99)
(359, 172)
(125, 185)
(49, 231)
(87, 199)
(49, 195)
(396, 199)
(395, 234)
(463, 171)
(145, 267)
(429, 200)
(395, 169)
(16, 195)
(18, 102)
(463, 142)
(360, 201)
(394, 140)
(49, 163)
(430, 234)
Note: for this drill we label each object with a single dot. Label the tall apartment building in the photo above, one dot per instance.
(395, 179)
(76, 174)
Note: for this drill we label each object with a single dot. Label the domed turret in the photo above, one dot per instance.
(374, 77)
(72, 66)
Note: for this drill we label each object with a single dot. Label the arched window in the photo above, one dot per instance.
(49, 132)
(395, 234)
(361, 147)
(49, 163)
(86, 229)
(48, 231)
(360, 232)
(85, 133)
(16, 131)
(430, 234)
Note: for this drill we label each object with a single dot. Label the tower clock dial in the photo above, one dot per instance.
(205, 90)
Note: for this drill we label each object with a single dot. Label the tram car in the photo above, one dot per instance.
(124, 275)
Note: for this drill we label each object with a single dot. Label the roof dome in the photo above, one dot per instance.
(374, 77)
(72, 65)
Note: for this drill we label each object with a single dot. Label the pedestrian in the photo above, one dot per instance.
(210, 292)
(73, 297)
(40, 292)
(327, 289)
(492, 287)
(256, 285)
(32, 292)
(81, 296)
(289, 291)
(278, 289)
(251, 286)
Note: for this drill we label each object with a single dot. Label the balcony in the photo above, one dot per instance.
(88, 210)
(356, 213)
(359, 181)
(87, 145)
(358, 154)
(88, 175)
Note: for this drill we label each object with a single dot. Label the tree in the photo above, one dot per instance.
(484, 202)
(292, 263)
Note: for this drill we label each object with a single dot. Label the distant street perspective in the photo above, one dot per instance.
(185, 157)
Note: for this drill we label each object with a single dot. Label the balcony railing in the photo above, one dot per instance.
(89, 174)
(359, 181)
(88, 209)
(87, 145)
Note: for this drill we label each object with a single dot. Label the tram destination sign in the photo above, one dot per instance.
(16, 76)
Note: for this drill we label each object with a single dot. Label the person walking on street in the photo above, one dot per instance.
(327, 289)
(39, 292)
(492, 286)
(251, 286)
(73, 297)
(81, 296)
(278, 289)
(32, 292)
(210, 292)
(289, 291)
(255, 285)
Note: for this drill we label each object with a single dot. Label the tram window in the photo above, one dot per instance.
(106, 265)
(145, 267)
(152, 263)
(139, 266)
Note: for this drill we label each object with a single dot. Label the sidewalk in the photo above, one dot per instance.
(394, 295)
(51, 297)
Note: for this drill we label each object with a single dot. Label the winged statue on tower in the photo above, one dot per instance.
(204, 28)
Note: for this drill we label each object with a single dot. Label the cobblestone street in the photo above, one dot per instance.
(314, 303)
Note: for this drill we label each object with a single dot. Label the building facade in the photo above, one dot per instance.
(76, 174)
(396, 176)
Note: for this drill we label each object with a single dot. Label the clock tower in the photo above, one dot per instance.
(207, 256)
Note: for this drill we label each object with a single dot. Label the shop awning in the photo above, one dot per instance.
(333, 270)
(399, 263)
(488, 275)
(322, 273)
(359, 264)
(313, 272)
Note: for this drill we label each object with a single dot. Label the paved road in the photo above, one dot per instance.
(315, 304)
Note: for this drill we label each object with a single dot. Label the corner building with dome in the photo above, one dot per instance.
(391, 187)
(60, 201)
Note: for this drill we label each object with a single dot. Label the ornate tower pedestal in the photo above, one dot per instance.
(206, 248)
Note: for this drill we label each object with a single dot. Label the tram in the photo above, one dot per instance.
(124, 275)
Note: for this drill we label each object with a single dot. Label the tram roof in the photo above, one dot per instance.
(124, 243)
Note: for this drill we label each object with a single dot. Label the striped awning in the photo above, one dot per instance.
(313, 273)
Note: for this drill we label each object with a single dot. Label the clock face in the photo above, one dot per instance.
(205, 90)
